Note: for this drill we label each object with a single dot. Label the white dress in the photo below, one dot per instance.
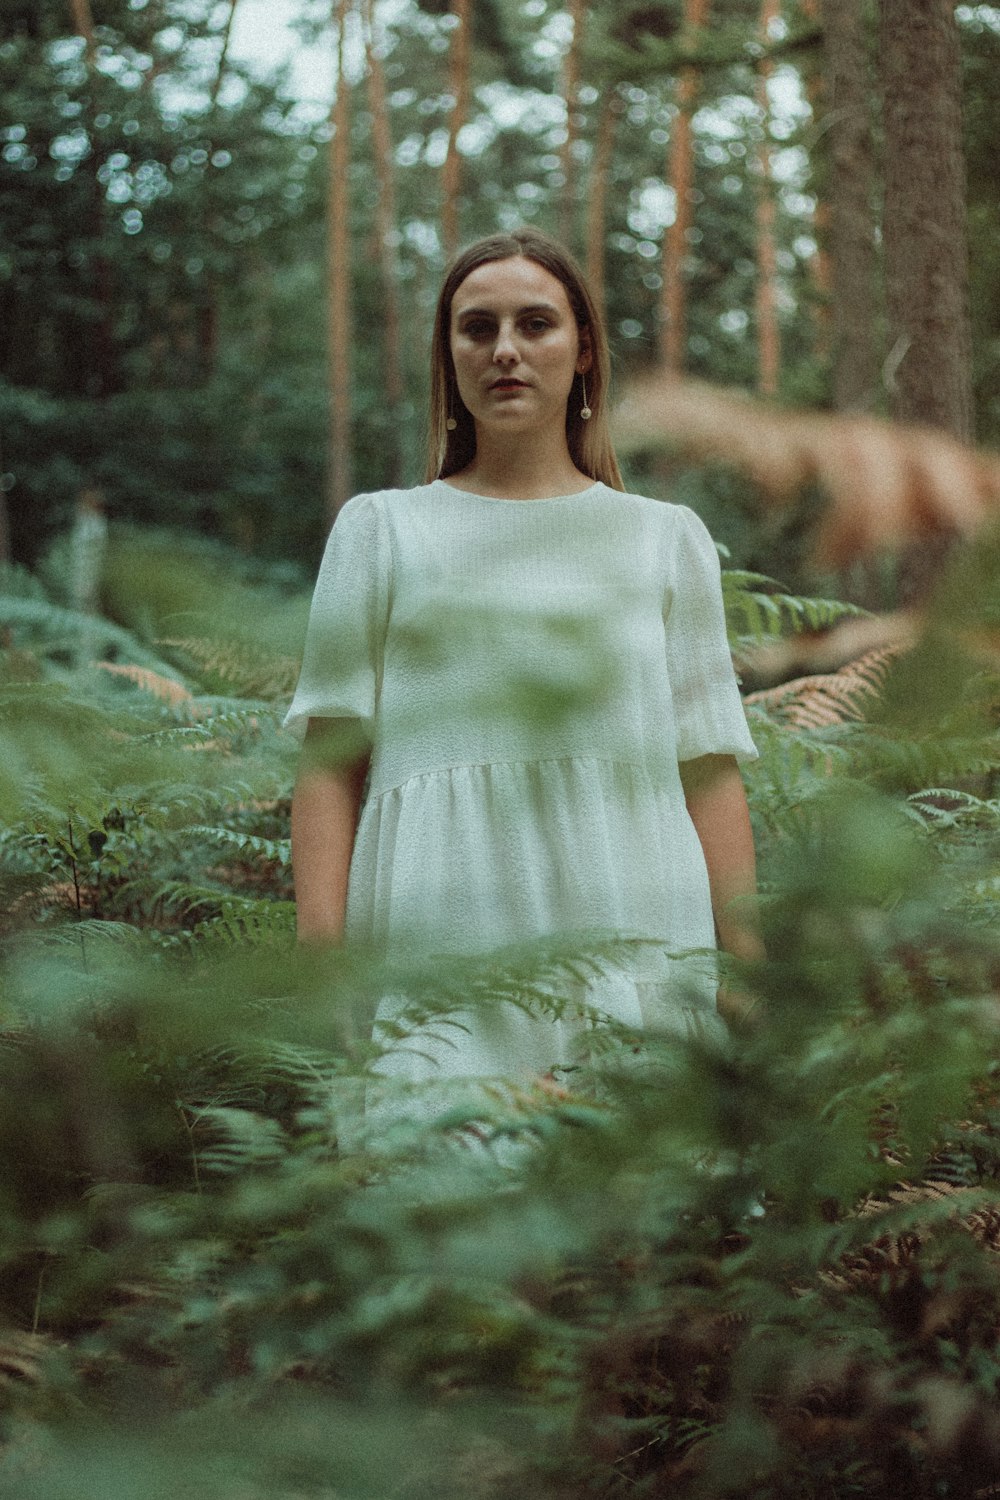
(528, 675)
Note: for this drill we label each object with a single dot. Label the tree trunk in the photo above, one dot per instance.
(820, 264)
(768, 332)
(926, 251)
(459, 89)
(680, 176)
(597, 198)
(385, 215)
(571, 88)
(83, 24)
(848, 87)
(224, 54)
(339, 249)
(100, 364)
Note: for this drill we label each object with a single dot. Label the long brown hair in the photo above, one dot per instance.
(589, 442)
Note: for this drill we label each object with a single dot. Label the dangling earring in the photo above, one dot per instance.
(585, 411)
(452, 421)
(451, 424)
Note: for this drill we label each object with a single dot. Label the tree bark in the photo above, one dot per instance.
(100, 363)
(459, 88)
(848, 87)
(571, 86)
(926, 250)
(597, 200)
(385, 215)
(339, 250)
(768, 332)
(820, 263)
(220, 71)
(83, 23)
(680, 176)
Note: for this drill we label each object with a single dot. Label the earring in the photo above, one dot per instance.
(585, 411)
(452, 421)
(451, 424)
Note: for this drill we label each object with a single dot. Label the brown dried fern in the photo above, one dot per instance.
(164, 688)
(828, 698)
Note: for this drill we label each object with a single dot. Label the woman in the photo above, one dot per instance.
(530, 668)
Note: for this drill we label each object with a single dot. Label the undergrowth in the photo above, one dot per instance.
(764, 1264)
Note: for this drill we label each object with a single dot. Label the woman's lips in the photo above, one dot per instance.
(509, 385)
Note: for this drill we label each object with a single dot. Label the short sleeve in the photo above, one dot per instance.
(708, 709)
(342, 662)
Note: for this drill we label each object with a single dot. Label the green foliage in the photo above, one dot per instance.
(763, 1264)
(163, 257)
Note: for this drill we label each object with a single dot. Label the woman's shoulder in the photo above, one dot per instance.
(666, 514)
(382, 502)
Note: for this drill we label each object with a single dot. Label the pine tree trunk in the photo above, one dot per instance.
(924, 230)
(680, 176)
(459, 88)
(220, 71)
(768, 332)
(100, 364)
(83, 22)
(853, 260)
(597, 198)
(820, 263)
(339, 250)
(571, 88)
(386, 228)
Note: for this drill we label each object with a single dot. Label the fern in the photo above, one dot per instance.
(758, 610)
(821, 700)
(55, 629)
(168, 689)
(276, 850)
(237, 665)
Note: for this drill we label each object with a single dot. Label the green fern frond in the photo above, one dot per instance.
(226, 1140)
(244, 924)
(278, 851)
(236, 665)
(54, 628)
(93, 931)
(892, 761)
(758, 610)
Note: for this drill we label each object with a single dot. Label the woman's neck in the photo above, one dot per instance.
(518, 469)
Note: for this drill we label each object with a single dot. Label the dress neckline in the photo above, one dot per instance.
(453, 489)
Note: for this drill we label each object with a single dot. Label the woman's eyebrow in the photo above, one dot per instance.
(489, 312)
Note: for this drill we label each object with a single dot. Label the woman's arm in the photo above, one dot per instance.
(717, 804)
(325, 808)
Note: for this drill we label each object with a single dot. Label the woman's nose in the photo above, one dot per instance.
(505, 348)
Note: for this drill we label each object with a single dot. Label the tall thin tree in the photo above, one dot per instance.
(820, 262)
(680, 176)
(768, 331)
(598, 189)
(101, 372)
(571, 88)
(846, 113)
(83, 23)
(460, 89)
(924, 228)
(385, 227)
(220, 71)
(339, 253)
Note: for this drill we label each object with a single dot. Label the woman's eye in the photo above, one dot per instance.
(537, 325)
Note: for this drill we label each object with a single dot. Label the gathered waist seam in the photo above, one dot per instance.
(528, 760)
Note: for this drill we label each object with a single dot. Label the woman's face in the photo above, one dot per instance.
(516, 346)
